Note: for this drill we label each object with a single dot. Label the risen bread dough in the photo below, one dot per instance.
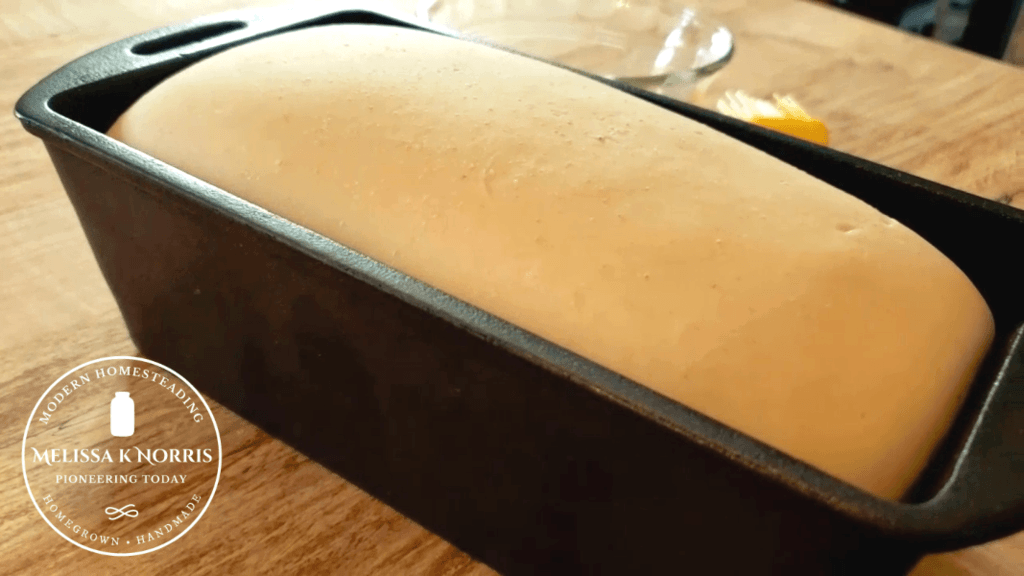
(672, 254)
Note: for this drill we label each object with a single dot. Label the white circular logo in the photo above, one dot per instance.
(121, 456)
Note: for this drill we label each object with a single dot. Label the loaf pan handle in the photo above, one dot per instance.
(153, 55)
(984, 496)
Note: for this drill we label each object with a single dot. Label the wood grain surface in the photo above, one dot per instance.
(904, 101)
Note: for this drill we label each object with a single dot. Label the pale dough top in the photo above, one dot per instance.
(659, 248)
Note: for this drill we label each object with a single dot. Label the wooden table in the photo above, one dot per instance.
(904, 101)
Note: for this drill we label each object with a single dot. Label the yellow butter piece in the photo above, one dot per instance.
(784, 115)
(812, 130)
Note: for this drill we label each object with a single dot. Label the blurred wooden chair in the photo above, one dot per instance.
(994, 28)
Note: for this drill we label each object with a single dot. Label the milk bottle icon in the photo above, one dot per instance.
(122, 415)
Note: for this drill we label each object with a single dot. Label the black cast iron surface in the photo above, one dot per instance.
(530, 458)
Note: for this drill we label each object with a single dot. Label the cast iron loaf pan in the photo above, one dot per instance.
(527, 456)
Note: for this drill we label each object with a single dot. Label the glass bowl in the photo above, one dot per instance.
(663, 46)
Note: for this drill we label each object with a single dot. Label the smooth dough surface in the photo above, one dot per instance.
(672, 254)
